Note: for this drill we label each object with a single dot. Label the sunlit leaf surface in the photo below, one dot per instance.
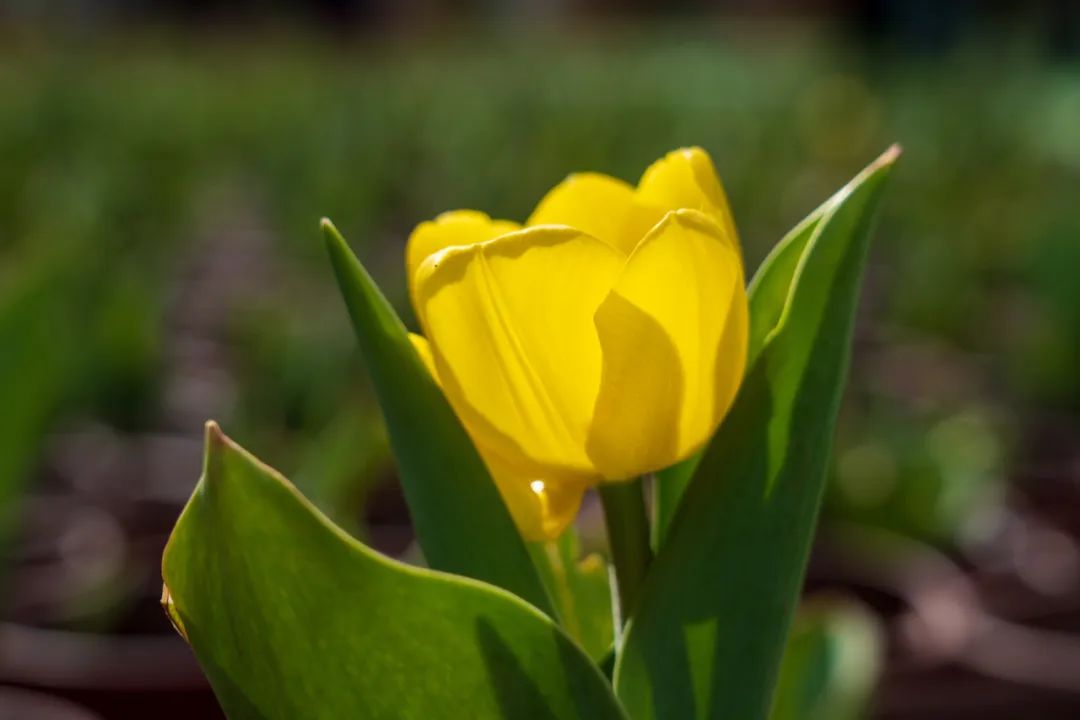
(291, 618)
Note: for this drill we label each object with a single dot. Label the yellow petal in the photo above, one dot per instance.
(457, 227)
(510, 324)
(674, 335)
(598, 205)
(541, 508)
(687, 178)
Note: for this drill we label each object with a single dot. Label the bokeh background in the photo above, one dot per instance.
(163, 167)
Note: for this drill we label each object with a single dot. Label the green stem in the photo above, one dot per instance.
(628, 536)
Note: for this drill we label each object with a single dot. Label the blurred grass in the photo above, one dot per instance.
(112, 152)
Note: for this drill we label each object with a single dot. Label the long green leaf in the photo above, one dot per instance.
(461, 521)
(291, 618)
(709, 633)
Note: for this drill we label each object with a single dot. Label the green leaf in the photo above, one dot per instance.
(831, 663)
(708, 636)
(461, 521)
(291, 618)
(768, 292)
(581, 591)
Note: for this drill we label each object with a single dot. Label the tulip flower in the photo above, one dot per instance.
(603, 339)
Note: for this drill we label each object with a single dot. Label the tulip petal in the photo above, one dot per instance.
(598, 205)
(687, 178)
(510, 324)
(673, 334)
(541, 509)
(635, 422)
(457, 227)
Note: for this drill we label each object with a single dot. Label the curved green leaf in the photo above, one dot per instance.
(291, 618)
(461, 521)
(709, 633)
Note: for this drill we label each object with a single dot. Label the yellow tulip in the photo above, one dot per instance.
(604, 339)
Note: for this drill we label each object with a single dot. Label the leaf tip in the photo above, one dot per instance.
(881, 167)
(341, 255)
(214, 435)
(331, 234)
(890, 156)
(215, 445)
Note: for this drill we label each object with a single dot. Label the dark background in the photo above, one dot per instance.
(163, 167)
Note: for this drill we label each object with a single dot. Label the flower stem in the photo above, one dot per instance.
(628, 536)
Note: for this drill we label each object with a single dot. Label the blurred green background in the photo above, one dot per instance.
(161, 183)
